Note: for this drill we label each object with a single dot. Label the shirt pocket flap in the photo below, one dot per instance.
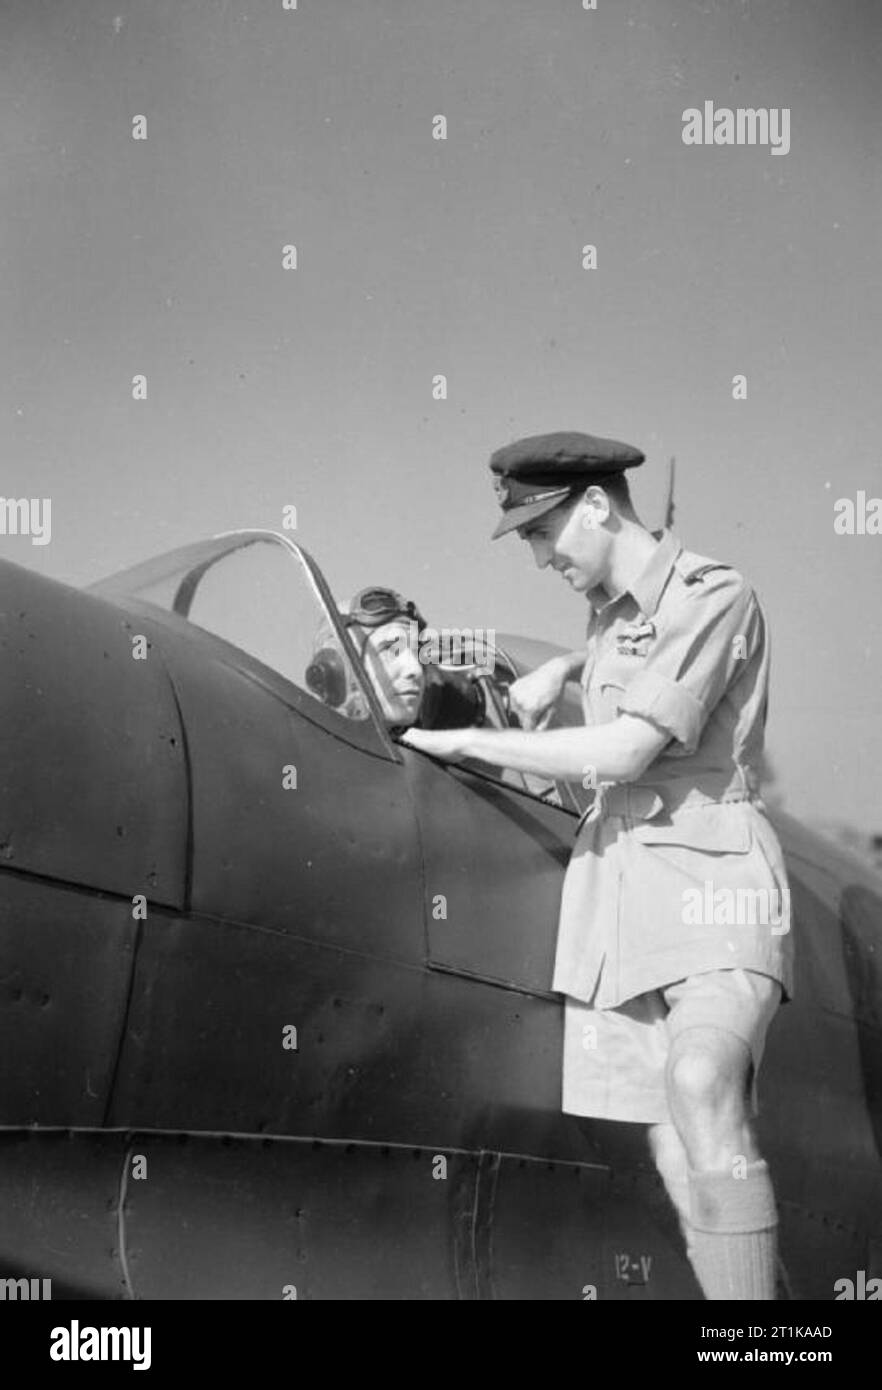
(713, 829)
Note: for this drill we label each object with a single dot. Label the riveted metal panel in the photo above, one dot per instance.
(816, 1249)
(384, 1050)
(59, 1201)
(815, 1128)
(93, 786)
(167, 1216)
(334, 857)
(244, 1219)
(819, 1081)
(497, 857)
(65, 967)
(581, 1234)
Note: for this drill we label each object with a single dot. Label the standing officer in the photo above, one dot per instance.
(673, 947)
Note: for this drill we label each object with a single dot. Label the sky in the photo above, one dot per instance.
(416, 257)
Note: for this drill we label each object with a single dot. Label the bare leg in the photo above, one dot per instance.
(672, 1163)
(731, 1211)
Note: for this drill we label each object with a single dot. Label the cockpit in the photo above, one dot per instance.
(267, 604)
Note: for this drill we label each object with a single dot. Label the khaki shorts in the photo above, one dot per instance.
(614, 1059)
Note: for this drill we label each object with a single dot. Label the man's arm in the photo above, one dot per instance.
(535, 697)
(615, 752)
(572, 664)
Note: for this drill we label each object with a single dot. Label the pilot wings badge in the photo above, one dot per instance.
(634, 639)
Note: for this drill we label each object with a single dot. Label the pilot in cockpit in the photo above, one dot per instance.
(412, 689)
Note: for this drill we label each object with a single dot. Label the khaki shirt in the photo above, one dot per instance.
(680, 872)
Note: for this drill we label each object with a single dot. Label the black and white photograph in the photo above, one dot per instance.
(441, 733)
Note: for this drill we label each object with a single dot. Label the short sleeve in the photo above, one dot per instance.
(707, 633)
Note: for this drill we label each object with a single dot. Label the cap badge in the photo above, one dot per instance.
(501, 489)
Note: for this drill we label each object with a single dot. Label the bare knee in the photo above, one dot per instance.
(696, 1081)
(706, 1082)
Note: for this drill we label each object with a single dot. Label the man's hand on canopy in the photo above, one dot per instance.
(439, 743)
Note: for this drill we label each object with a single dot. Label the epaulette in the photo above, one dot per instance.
(693, 569)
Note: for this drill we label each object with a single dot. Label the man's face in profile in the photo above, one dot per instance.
(573, 540)
(391, 656)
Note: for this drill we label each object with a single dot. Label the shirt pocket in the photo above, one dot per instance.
(606, 700)
(608, 683)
